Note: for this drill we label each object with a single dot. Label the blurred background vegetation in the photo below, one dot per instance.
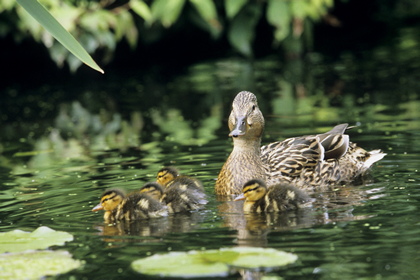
(137, 33)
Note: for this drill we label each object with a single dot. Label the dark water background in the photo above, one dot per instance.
(63, 143)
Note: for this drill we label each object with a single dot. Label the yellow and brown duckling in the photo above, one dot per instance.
(169, 175)
(277, 198)
(118, 206)
(308, 162)
(179, 196)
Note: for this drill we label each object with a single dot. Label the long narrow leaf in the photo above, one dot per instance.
(40, 14)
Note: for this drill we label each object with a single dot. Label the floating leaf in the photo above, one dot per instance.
(41, 238)
(36, 264)
(212, 263)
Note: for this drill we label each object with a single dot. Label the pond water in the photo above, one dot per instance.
(63, 145)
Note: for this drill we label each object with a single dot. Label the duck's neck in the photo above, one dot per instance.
(242, 165)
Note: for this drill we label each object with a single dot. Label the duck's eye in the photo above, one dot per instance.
(253, 107)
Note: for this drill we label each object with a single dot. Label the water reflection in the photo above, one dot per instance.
(155, 227)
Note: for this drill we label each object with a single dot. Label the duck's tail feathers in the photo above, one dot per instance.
(375, 155)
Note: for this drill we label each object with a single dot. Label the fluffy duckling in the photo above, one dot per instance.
(180, 196)
(277, 198)
(136, 206)
(169, 175)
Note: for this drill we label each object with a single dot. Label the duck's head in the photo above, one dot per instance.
(246, 119)
(166, 175)
(110, 200)
(152, 189)
(252, 191)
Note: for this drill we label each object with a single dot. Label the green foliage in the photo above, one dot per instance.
(44, 18)
(100, 25)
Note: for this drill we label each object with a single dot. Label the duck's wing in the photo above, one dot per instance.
(290, 157)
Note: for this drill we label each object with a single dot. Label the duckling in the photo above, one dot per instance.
(309, 162)
(181, 193)
(180, 196)
(136, 206)
(169, 174)
(277, 198)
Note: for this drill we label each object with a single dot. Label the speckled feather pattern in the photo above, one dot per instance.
(308, 162)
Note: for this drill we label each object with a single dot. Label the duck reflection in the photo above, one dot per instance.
(157, 227)
(253, 228)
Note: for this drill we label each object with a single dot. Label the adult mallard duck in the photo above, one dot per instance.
(308, 162)
(277, 198)
(136, 206)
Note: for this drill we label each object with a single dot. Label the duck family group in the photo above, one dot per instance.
(272, 178)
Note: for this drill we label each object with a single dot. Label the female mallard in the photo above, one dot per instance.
(136, 206)
(306, 162)
(277, 198)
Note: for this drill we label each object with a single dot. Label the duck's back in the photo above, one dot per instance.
(316, 161)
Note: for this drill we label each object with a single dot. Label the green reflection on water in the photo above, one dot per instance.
(53, 173)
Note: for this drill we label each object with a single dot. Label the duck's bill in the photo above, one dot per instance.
(97, 207)
(240, 127)
(239, 197)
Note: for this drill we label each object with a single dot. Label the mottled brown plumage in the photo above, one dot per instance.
(277, 198)
(309, 162)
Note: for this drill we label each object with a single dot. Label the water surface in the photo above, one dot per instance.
(58, 154)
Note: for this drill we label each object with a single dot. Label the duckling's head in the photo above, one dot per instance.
(110, 200)
(166, 175)
(252, 191)
(152, 189)
(246, 119)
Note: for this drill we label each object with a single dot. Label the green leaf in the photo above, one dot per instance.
(167, 11)
(36, 10)
(41, 238)
(232, 7)
(206, 8)
(36, 264)
(207, 11)
(141, 9)
(242, 30)
(278, 14)
(212, 263)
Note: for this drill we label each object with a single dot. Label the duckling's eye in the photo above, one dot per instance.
(106, 199)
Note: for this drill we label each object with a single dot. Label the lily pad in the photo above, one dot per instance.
(41, 238)
(36, 264)
(212, 263)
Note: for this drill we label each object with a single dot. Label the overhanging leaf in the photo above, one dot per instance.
(242, 30)
(37, 11)
(212, 263)
(232, 7)
(278, 15)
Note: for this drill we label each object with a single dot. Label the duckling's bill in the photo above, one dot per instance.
(97, 208)
(240, 197)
